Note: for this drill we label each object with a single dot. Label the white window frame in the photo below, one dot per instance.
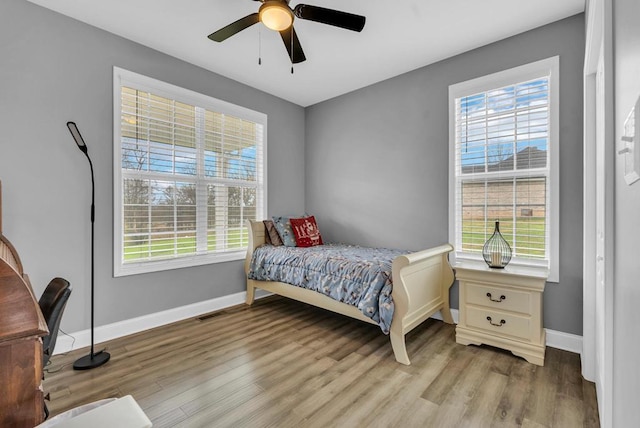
(546, 67)
(127, 78)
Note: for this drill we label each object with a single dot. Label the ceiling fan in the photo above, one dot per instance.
(278, 16)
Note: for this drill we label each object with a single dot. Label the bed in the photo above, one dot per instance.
(421, 282)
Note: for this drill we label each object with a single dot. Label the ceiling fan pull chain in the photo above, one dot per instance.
(259, 46)
(291, 50)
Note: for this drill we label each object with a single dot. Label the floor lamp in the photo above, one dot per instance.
(93, 359)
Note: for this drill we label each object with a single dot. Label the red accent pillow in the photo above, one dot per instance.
(306, 231)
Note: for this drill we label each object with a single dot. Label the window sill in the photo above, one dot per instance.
(179, 263)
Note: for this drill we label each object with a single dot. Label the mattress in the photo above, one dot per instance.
(357, 276)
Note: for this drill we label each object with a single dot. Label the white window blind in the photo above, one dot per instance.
(502, 147)
(190, 172)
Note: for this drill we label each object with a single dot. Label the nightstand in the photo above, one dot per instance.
(502, 308)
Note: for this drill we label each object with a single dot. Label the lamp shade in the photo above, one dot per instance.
(73, 128)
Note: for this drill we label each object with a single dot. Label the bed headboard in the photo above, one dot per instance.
(256, 231)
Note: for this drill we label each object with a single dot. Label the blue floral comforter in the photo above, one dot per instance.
(358, 276)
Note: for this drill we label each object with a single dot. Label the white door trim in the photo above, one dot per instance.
(588, 355)
(597, 354)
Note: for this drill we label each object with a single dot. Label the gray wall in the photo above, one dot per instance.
(626, 375)
(54, 69)
(360, 149)
(386, 146)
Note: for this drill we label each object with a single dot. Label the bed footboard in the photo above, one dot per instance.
(421, 283)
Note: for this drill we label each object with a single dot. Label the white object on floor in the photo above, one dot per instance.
(112, 412)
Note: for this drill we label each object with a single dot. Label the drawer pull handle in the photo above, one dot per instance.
(502, 322)
(503, 297)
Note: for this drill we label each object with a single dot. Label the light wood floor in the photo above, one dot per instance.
(281, 363)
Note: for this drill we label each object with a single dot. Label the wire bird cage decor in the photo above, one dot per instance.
(496, 251)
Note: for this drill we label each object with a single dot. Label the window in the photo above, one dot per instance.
(504, 163)
(188, 171)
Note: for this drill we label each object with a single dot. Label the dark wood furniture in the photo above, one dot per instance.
(21, 329)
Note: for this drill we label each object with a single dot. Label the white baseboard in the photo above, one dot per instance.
(81, 339)
(65, 343)
(565, 341)
(454, 315)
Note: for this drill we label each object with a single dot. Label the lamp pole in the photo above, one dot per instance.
(93, 359)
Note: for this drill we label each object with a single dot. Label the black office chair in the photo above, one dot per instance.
(52, 303)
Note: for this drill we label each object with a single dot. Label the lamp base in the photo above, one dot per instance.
(91, 361)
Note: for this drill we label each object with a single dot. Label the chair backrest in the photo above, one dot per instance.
(52, 304)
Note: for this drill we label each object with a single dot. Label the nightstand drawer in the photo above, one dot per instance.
(503, 299)
(500, 323)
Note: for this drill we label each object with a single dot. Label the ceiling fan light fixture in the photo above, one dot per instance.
(276, 15)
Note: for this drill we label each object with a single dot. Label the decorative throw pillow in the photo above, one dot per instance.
(267, 238)
(283, 226)
(271, 237)
(306, 231)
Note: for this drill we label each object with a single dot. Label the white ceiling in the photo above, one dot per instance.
(398, 36)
